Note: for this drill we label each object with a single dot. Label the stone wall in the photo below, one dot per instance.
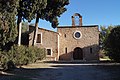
(89, 39)
(49, 41)
(63, 43)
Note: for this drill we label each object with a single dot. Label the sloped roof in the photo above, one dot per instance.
(44, 29)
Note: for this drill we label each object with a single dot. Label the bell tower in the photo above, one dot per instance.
(76, 18)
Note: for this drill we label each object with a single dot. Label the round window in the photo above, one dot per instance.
(77, 35)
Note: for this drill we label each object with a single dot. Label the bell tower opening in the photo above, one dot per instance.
(76, 20)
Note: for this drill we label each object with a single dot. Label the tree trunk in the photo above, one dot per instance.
(36, 30)
(19, 23)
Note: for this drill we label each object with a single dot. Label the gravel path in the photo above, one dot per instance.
(82, 72)
(65, 72)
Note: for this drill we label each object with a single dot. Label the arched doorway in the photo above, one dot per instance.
(78, 54)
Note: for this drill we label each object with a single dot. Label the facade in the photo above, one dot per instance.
(76, 42)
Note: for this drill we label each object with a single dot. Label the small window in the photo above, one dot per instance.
(48, 51)
(77, 35)
(38, 38)
(65, 35)
(91, 50)
(66, 50)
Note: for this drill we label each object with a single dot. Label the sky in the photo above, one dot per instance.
(93, 12)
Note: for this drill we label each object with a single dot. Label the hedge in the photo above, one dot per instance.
(21, 55)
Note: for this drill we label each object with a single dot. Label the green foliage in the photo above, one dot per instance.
(104, 34)
(8, 5)
(8, 30)
(113, 44)
(25, 27)
(28, 8)
(48, 10)
(22, 55)
(53, 10)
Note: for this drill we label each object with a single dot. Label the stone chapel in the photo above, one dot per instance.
(69, 43)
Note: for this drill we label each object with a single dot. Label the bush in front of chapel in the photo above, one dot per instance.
(21, 55)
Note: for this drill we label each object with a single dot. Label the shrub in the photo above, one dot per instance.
(3, 58)
(35, 53)
(21, 55)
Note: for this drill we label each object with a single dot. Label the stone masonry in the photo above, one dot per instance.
(76, 42)
(49, 40)
(89, 40)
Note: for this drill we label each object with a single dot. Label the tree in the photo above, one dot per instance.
(25, 34)
(27, 10)
(51, 13)
(8, 31)
(104, 32)
(104, 35)
(113, 44)
(25, 27)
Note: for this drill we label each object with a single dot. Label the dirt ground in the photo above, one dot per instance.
(64, 71)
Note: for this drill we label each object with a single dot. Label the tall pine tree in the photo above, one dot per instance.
(8, 30)
(27, 10)
(51, 13)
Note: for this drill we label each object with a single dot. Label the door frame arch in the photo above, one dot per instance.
(78, 53)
